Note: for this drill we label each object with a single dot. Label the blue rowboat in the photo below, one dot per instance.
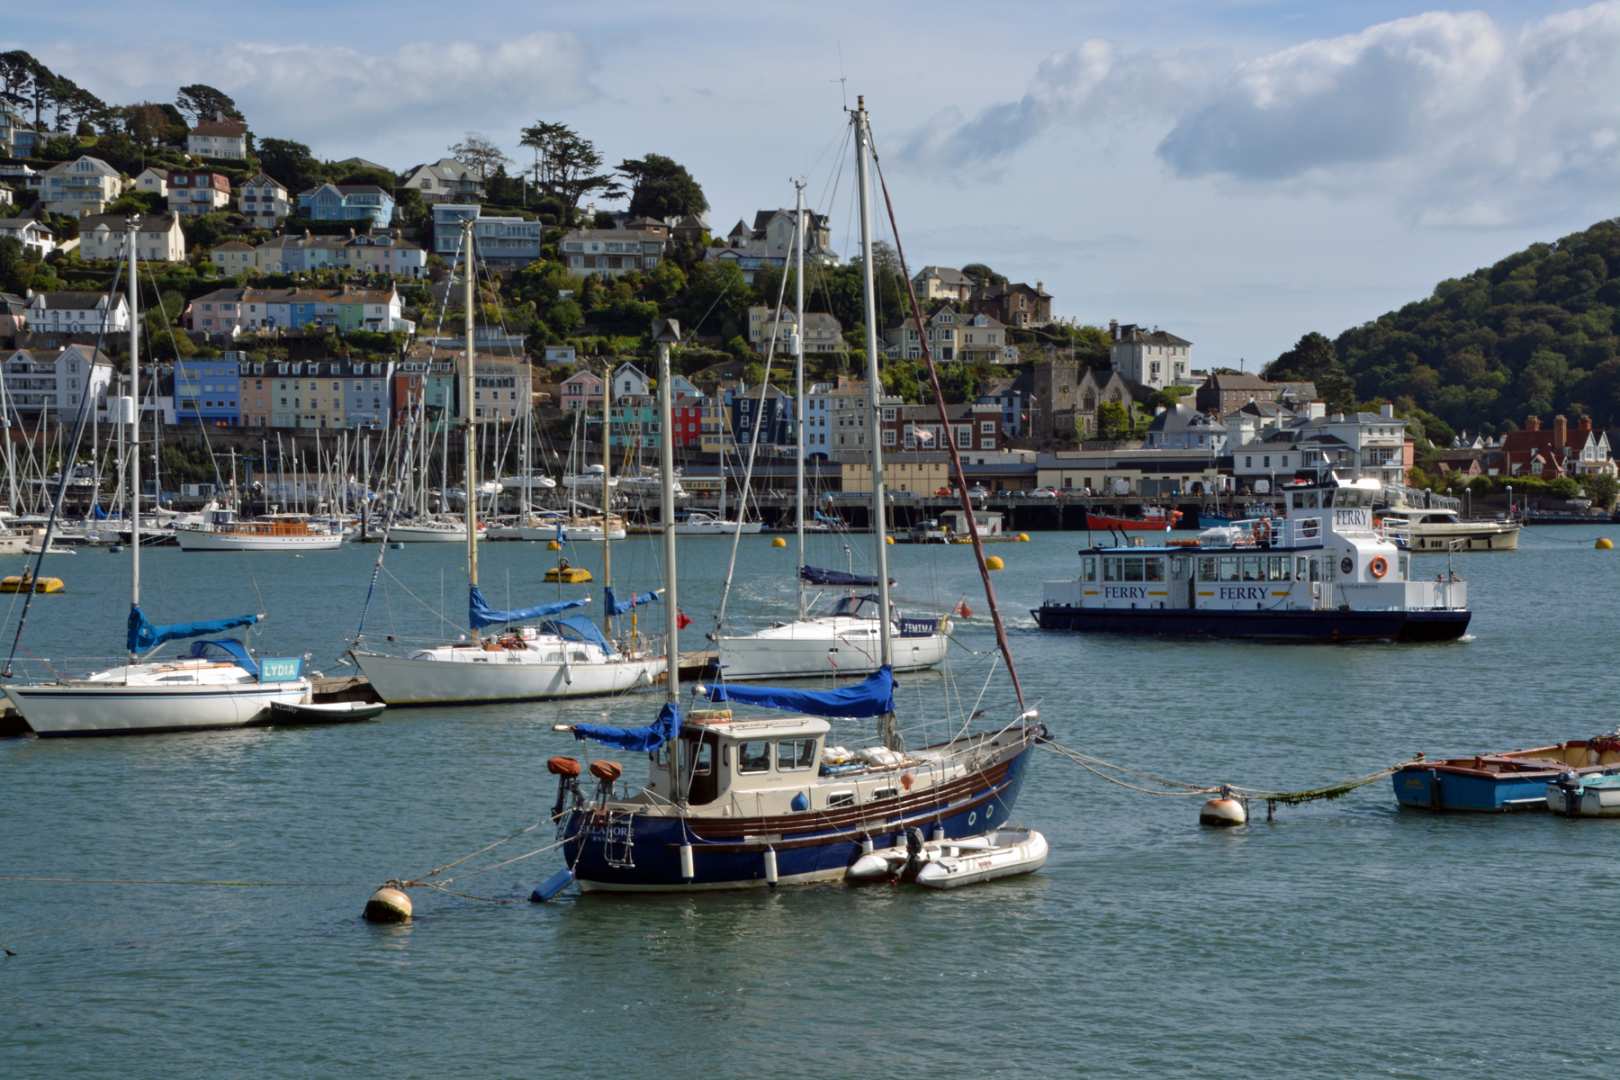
(1498, 783)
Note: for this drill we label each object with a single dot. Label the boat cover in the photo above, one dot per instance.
(480, 614)
(649, 737)
(144, 635)
(234, 651)
(616, 606)
(581, 628)
(872, 697)
(817, 575)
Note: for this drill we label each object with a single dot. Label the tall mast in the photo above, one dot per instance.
(135, 434)
(874, 386)
(669, 332)
(798, 381)
(607, 496)
(469, 449)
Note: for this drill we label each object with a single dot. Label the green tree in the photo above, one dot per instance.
(478, 152)
(202, 102)
(1113, 421)
(1602, 489)
(289, 163)
(567, 167)
(661, 188)
(1313, 358)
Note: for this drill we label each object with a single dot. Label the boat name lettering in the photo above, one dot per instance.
(1125, 592)
(1243, 592)
(1353, 516)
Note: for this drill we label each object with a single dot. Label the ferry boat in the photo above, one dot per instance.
(1322, 572)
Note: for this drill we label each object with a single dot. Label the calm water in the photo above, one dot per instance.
(1346, 939)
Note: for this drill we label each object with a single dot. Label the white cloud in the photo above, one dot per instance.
(406, 103)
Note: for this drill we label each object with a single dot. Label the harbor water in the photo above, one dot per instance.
(1347, 938)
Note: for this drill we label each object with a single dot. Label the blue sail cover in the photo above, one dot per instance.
(581, 628)
(649, 737)
(816, 575)
(233, 650)
(480, 614)
(874, 697)
(616, 606)
(144, 635)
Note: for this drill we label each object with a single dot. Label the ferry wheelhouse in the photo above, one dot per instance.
(1321, 572)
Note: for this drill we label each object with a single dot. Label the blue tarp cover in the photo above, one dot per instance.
(874, 697)
(480, 614)
(616, 606)
(144, 635)
(234, 651)
(581, 628)
(816, 575)
(651, 737)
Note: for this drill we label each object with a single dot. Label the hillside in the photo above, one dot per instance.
(1538, 333)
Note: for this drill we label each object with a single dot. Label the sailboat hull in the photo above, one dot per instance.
(811, 847)
(87, 709)
(825, 646)
(207, 540)
(402, 680)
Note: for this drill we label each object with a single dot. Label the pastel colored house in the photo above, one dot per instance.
(79, 187)
(294, 254)
(385, 253)
(208, 391)
(365, 204)
(264, 202)
(254, 392)
(193, 194)
(229, 312)
(234, 257)
(158, 237)
(221, 138)
(581, 390)
(73, 312)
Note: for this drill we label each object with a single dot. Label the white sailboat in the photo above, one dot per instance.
(217, 684)
(542, 652)
(847, 639)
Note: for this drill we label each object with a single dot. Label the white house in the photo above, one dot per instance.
(610, 252)
(153, 181)
(630, 381)
(1153, 358)
(83, 186)
(76, 313)
(445, 180)
(264, 202)
(55, 380)
(33, 236)
(233, 257)
(1361, 445)
(6, 198)
(158, 237)
(559, 354)
(220, 138)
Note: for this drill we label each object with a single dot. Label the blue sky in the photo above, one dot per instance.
(1239, 172)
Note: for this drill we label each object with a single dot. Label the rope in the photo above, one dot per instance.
(192, 882)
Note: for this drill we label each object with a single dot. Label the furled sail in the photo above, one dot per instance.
(480, 614)
(145, 635)
(616, 606)
(873, 697)
(816, 575)
(648, 737)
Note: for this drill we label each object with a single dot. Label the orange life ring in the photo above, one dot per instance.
(1262, 531)
(1378, 567)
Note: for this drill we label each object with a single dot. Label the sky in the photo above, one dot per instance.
(1238, 172)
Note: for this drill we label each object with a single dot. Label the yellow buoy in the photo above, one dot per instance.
(1223, 812)
(552, 545)
(28, 583)
(888, 539)
(1023, 538)
(778, 542)
(994, 562)
(1604, 544)
(388, 905)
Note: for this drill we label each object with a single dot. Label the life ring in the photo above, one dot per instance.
(1378, 567)
(1262, 531)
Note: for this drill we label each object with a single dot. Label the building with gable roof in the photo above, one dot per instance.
(581, 390)
(360, 203)
(611, 252)
(221, 138)
(158, 237)
(445, 180)
(34, 236)
(1182, 427)
(942, 283)
(264, 202)
(82, 186)
(55, 380)
(76, 312)
(1553, 452)
(193, 193)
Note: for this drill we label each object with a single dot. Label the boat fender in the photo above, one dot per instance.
(553, 885)
(800, 804)
(688, 871)
(771, 877)
(1378, 567)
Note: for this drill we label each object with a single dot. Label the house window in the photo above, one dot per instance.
(888, 437)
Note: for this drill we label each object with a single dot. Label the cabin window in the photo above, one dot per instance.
(1302, 568)
(1277, 568)
(1404, 564)
(1206, 569)
(1111, 569)
(754, 756)
(1155, 569)
(1178, 569)
(1088, 568)
(840, 798)
(1316, 569)
(1309, 500)
(795, 754)
(1252, 568)
(884, 793)
(1229, 568)
(702, 784)
(1133, 569)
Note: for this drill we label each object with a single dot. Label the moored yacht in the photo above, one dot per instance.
(1441, 529)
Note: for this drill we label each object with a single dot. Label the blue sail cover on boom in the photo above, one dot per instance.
(144, 635)
(648, 737)
(874, 697)
(480, 614)
(816, 575)
(616, 606)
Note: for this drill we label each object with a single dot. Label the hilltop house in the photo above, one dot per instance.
(1225, 392)
(75, 312)
(445, 180)
(158, 237)
(1015, 304)
(953, 336)
(192, 194)
(264, 202)
(221, 138)
(768, 241)
(498, 239)
(360, 203)
(942, 283)
(79, 187)
(1154, 358)
(611, 252)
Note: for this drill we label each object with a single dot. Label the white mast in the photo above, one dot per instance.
(470, 449)
(135, 433)
(874, 386)
(798, 382)
(669, 332)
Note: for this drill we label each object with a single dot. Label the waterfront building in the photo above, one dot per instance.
(973, 426)
(1553, 452)
(365, 204)
(1130, 471)
(1181, 427)
(254, 390)
(908, 472)
(222, 138)
(77, 312)
(208, 390)
(35, 238)
(611, 252)
(192, 194)
(158, 237)
(1357, 445)
(55, 380)
(82, 186)
(264, 202)
(500, 240)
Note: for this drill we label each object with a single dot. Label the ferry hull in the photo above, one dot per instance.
(132, 710)
(401, 680)
(822, 853)
(1325, 625)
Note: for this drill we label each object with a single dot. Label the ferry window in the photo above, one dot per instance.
(840, 798)
(1206, 569)
(1316, 569)
(795, 754)
(1229, 568)
(1252, 567)
(1178, 569)
(1110, 569)
(1405, 567)
(1328, 570)
(1277, 570)
(1088, 568)
(1133, 570)
(754, 756)
(1308, 500)
(1155, 569)
(1302, 568)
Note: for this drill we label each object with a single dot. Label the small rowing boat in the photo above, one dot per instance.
(327, 712)
(1574, 795)
(947, 864)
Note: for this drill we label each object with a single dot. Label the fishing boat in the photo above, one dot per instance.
(541, 651)
(1153, 519)
(1574, 795)
(222, 530)
(1494, 783)
(1320, 573)
(847, 639)
(739, 802)
(218, 683)
(1441, 529)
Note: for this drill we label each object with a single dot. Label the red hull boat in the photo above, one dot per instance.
(1153, 521)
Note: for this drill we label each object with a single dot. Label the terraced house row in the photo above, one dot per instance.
(226, 314)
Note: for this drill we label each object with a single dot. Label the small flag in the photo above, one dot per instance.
(682, 621)
(961, 610)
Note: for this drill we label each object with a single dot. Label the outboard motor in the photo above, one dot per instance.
(566, 770)
(915, 857)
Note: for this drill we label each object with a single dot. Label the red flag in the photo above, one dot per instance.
(961, 610)
(681, 620)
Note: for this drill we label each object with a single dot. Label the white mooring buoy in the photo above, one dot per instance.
(388, 905)
(1223, 811)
